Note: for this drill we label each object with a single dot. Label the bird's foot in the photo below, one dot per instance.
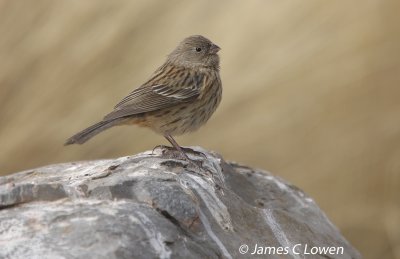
(192, 151)
(171, 152)
(162, 147)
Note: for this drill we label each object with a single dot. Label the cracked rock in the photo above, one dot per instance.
(154, 206)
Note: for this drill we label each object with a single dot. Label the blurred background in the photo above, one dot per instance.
(311, 92)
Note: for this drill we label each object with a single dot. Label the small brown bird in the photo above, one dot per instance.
(179, 97)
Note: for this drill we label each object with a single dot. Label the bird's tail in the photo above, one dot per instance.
(86, 134)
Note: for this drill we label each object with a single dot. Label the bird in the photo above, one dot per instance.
(179, 98)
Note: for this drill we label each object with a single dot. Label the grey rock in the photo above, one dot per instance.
(153, 205)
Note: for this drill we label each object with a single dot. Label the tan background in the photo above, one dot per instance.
(311, 92)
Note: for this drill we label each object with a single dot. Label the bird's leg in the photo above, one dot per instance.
(171, 140)
(176, 146)
(182, 150)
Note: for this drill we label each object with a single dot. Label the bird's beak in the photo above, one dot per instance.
(214, 49)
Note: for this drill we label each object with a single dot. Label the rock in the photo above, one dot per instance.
(157, 206)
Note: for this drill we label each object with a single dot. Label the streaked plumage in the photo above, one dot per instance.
(178, 98)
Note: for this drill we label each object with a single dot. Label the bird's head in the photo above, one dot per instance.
(196, 51)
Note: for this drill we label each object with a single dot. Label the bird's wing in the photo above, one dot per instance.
(152, 98)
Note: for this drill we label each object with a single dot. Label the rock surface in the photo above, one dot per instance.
(153, 205)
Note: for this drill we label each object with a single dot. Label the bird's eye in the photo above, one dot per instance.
(198, 49)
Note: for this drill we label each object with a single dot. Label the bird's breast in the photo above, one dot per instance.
(189, 116)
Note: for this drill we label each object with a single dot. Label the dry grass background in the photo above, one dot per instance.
(311, 92)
